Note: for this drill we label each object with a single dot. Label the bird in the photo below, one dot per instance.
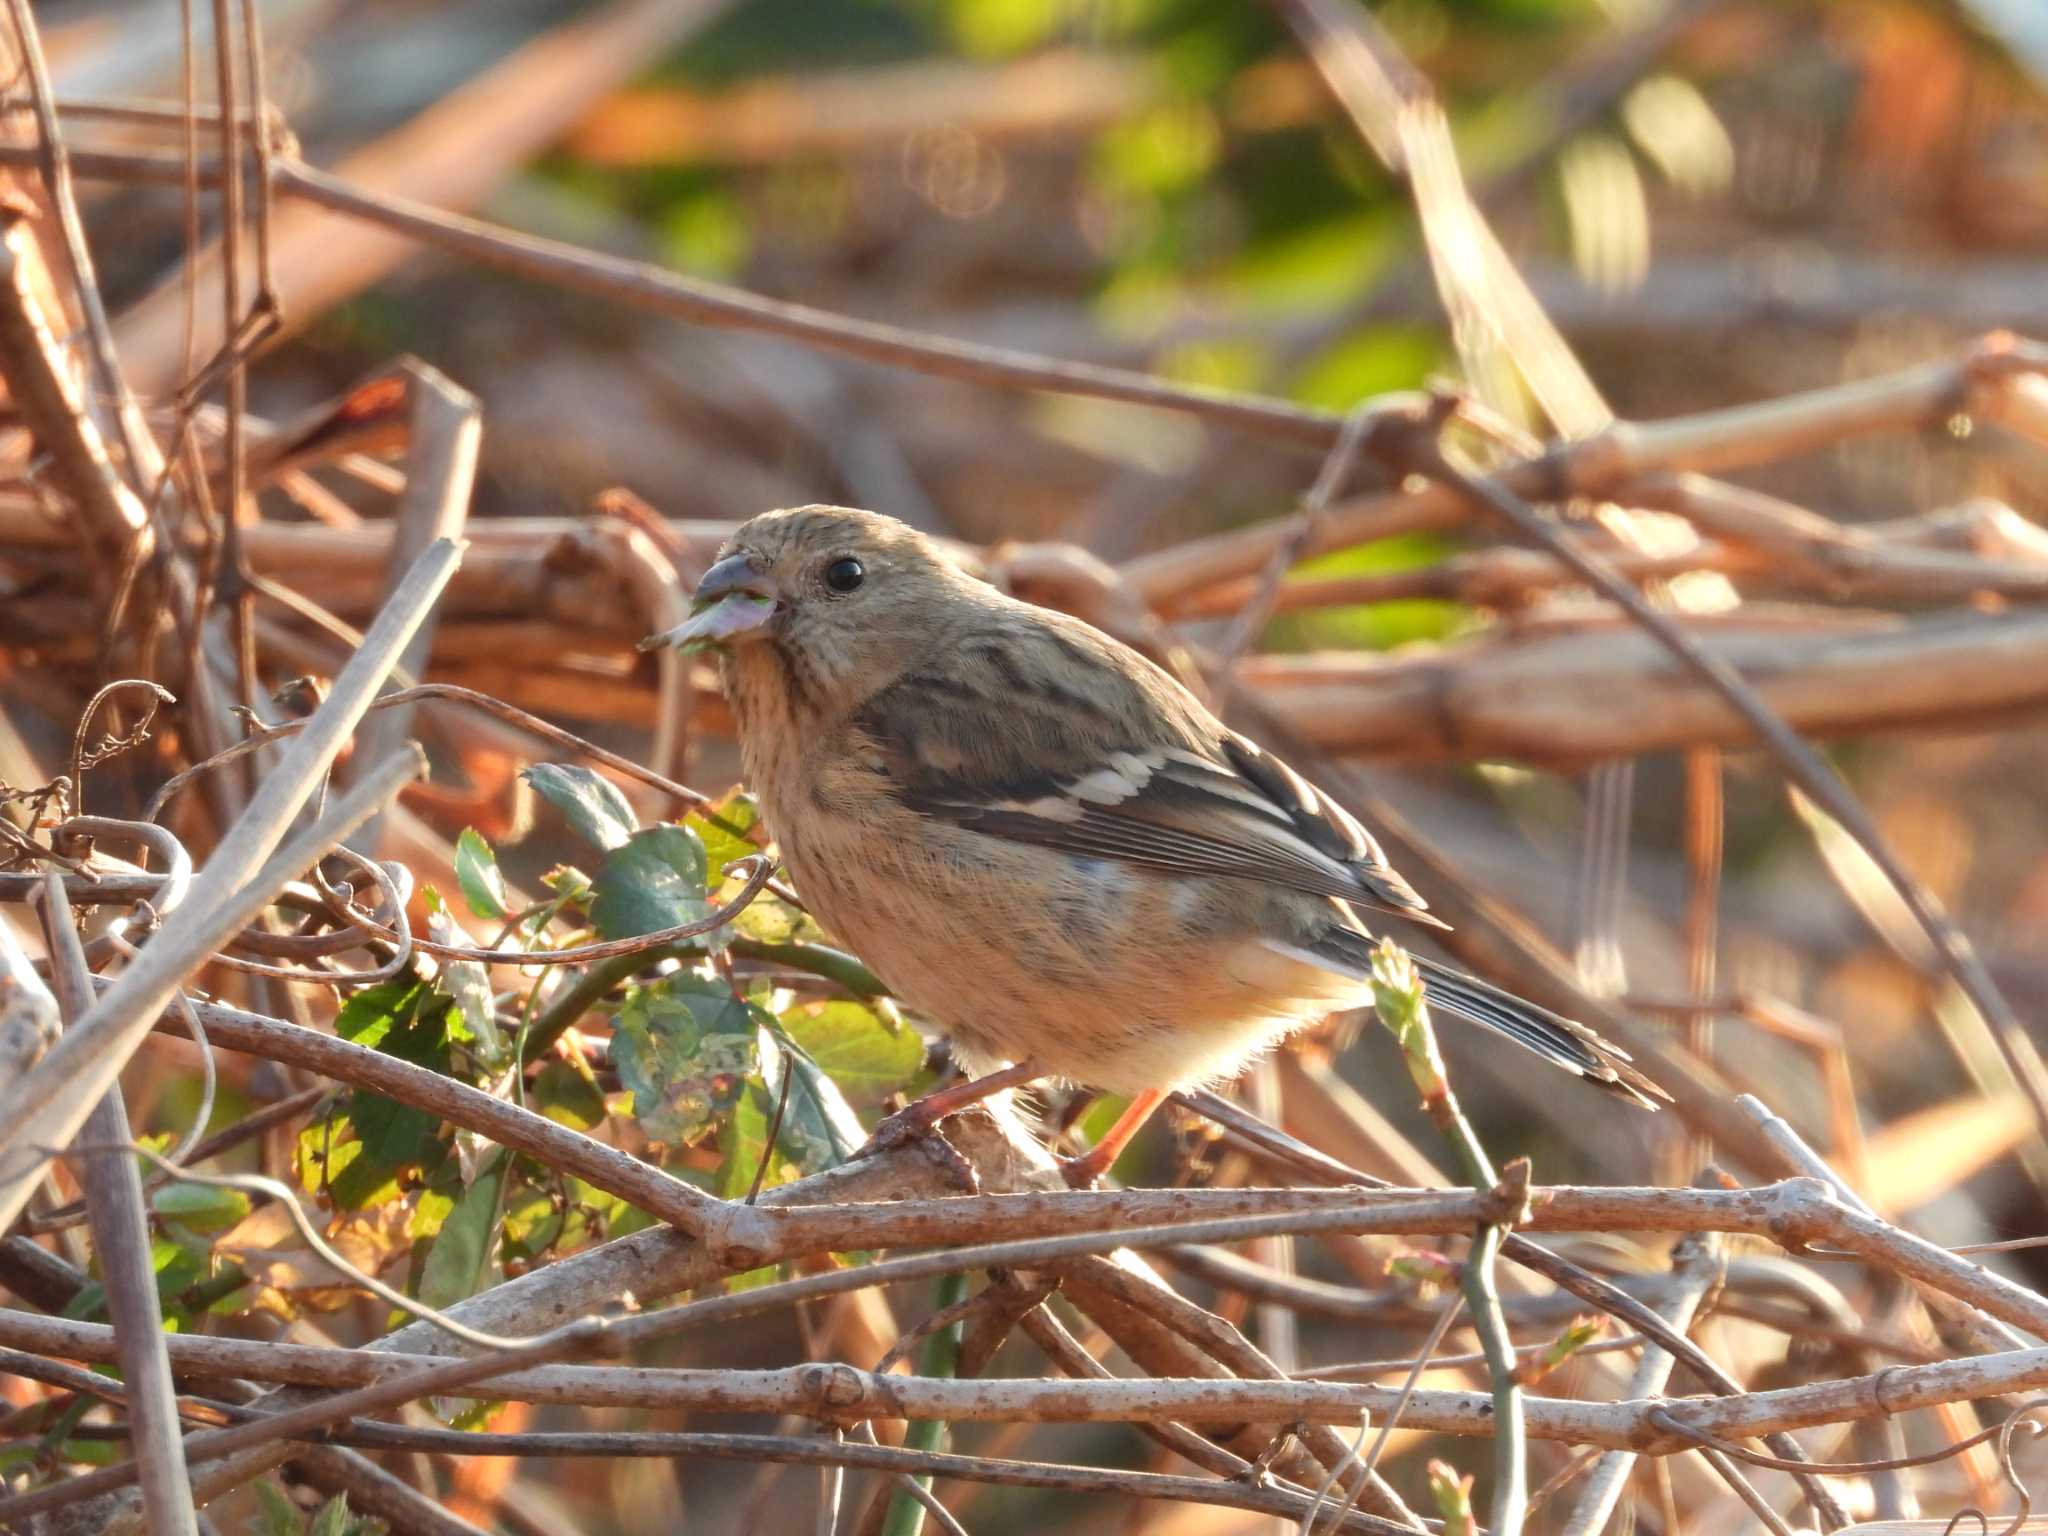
(1042, 841)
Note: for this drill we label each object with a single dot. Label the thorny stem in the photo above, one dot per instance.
(1398, 996)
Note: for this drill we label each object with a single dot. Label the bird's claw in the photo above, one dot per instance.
(914, 1126)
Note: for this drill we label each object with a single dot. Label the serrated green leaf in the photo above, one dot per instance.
(332, 1520)
(482, 882)
(280, 1515)
(470, 1417)
(202, 1207)
(819, 1129)
(460, 1259)
(684, 1048)
(868, 1055)
(596, 810)
(654, 882)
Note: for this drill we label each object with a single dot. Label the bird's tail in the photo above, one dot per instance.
(1566, 1042)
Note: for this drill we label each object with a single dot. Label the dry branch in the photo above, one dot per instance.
(44, 1109)
(844, 1393)
(121, 1245)
(1571, 693)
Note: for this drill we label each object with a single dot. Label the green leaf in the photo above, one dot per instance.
(533, 1223)
(373, 1013)
(743, 1142)
(362, 1154)
(433, 1205)
(567, 1097)
(868, 1054)
(483, 885)
(596, 810)
(819, 1129)
(460, 1258)
(722, 829)
(333, 1518)
(280, 1515)
(654, 881)
(202, 1207)
(467, 983)
(569, 883)
(684, 1047)
(332, 1157)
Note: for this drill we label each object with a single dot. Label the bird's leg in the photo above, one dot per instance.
(922, 1116)
(1091, 1165)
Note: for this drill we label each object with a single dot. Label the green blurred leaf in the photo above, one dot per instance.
(867, 1053)
(743, 1142)
(722, 829)
(684, 1047)
(460, 1259)
(1162, 150)
(707, 233)
(569, 883)
(533, 1223)
(483, 885)
(202, 1207)
(332, 1520)
(1371, 626)
(596, 809)
(990, 31)
(567, 1097)
(652, 882)
(433, 1204)
(1369, 362)
(280, 1516)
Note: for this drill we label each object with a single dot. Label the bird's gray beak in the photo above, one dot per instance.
(736, 598)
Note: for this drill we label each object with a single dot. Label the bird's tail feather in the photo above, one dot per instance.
(1566, 1042)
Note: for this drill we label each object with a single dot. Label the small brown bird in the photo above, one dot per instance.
(1038, 838)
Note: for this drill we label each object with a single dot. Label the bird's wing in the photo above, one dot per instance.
(1062, 743)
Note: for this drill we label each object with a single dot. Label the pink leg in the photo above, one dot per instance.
(922, 1117)
(1091, 1165)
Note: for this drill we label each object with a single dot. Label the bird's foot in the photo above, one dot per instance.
(917, 1125)
(1086, 1170)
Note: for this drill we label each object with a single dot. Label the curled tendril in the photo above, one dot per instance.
(2033, 1414)
(87, 754)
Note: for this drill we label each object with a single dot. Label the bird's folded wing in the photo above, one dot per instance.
(1120, 771)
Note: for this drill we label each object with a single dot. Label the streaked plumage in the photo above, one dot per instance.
(1037, 837)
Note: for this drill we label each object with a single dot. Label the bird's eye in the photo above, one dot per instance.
(844, 574)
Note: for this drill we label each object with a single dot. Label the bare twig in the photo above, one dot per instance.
(1696, 1266)
(121, 1245)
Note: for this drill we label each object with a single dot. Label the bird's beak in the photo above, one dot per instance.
(736, 598)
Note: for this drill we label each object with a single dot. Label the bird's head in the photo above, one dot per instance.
(843, 600)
